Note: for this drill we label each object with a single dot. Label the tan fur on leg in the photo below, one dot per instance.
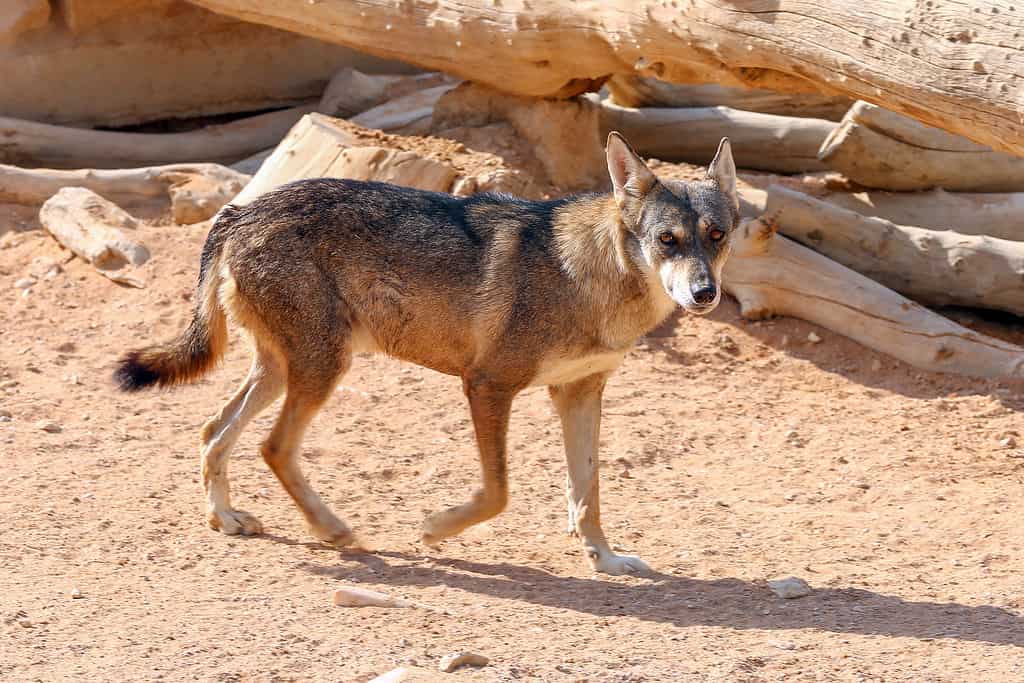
(263, 385)
(579, 408)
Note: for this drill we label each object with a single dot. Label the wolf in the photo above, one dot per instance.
(502, 292)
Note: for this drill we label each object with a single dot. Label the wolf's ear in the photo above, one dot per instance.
(722, 170)
(630, 176)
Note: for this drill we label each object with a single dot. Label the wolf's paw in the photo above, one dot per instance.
(234, 522)
(436, 528)
(617, 565)
(335, 533)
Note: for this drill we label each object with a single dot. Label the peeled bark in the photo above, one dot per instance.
(881, 149)
(770, 275)
(27, 143)
(782, 144)
(196, 191)
(955, 68)
(934, 267)
(88, 225)
(641, 91)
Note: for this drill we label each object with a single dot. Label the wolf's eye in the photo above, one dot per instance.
(715, 235)
(666, 238)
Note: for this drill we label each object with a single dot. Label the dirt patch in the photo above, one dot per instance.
(733, 453)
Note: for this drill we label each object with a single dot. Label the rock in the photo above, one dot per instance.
(25, 622)
(790, 587)
(90, 226)
(48, 426)
(6, 416)
(564, 134)
(450, 663)
(813, 338)
(24, 283)
(362, 597)
(66, 347)
(76, 594)
(393, 676)
(1008, 442)
(728, 344)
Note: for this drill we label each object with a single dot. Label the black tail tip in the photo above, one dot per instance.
(133, 375)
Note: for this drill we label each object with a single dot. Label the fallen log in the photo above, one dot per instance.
(196, 191)
(955, 68)
(783, 144)
(629, 90)
(984, 213)
(410, 114)
(881, 149)
(771, 275)
(318, 146)
(121, 62)
(934, 267)
(352, 92)
(88, 225)
(26, 143)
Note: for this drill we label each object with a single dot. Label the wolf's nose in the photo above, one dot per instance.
(704, 294)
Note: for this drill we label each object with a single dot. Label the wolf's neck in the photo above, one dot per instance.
(603, 260)
(590, 242)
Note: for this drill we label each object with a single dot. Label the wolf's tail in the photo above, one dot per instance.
(198, 348)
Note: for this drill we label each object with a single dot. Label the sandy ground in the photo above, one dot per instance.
(734, 453)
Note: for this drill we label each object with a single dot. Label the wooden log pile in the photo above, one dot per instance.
(908, 215)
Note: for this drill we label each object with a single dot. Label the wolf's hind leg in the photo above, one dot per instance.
(263, 385)
(490, 407)
(579, 408)
(307, 392)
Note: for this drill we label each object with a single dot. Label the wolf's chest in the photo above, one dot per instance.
(562, 370)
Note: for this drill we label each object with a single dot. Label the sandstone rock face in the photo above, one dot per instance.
(121, 62)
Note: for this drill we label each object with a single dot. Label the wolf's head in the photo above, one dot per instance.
(682, 228)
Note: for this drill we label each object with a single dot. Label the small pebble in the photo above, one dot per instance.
(25, 623)
(76, 594)
(48, 426)
(813, 338)
(450, 663)
(1008, 442)
(24, 283)
(789, 587)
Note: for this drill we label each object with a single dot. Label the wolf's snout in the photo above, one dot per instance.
(703, 294)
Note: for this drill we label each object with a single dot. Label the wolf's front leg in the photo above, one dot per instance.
(579, 407)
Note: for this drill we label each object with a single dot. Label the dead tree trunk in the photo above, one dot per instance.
(26, 143)
(955, 68)
(642, 91)
(771, 275)
(931, 266)
(884, 150)
(783, 144)
(970, 213)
